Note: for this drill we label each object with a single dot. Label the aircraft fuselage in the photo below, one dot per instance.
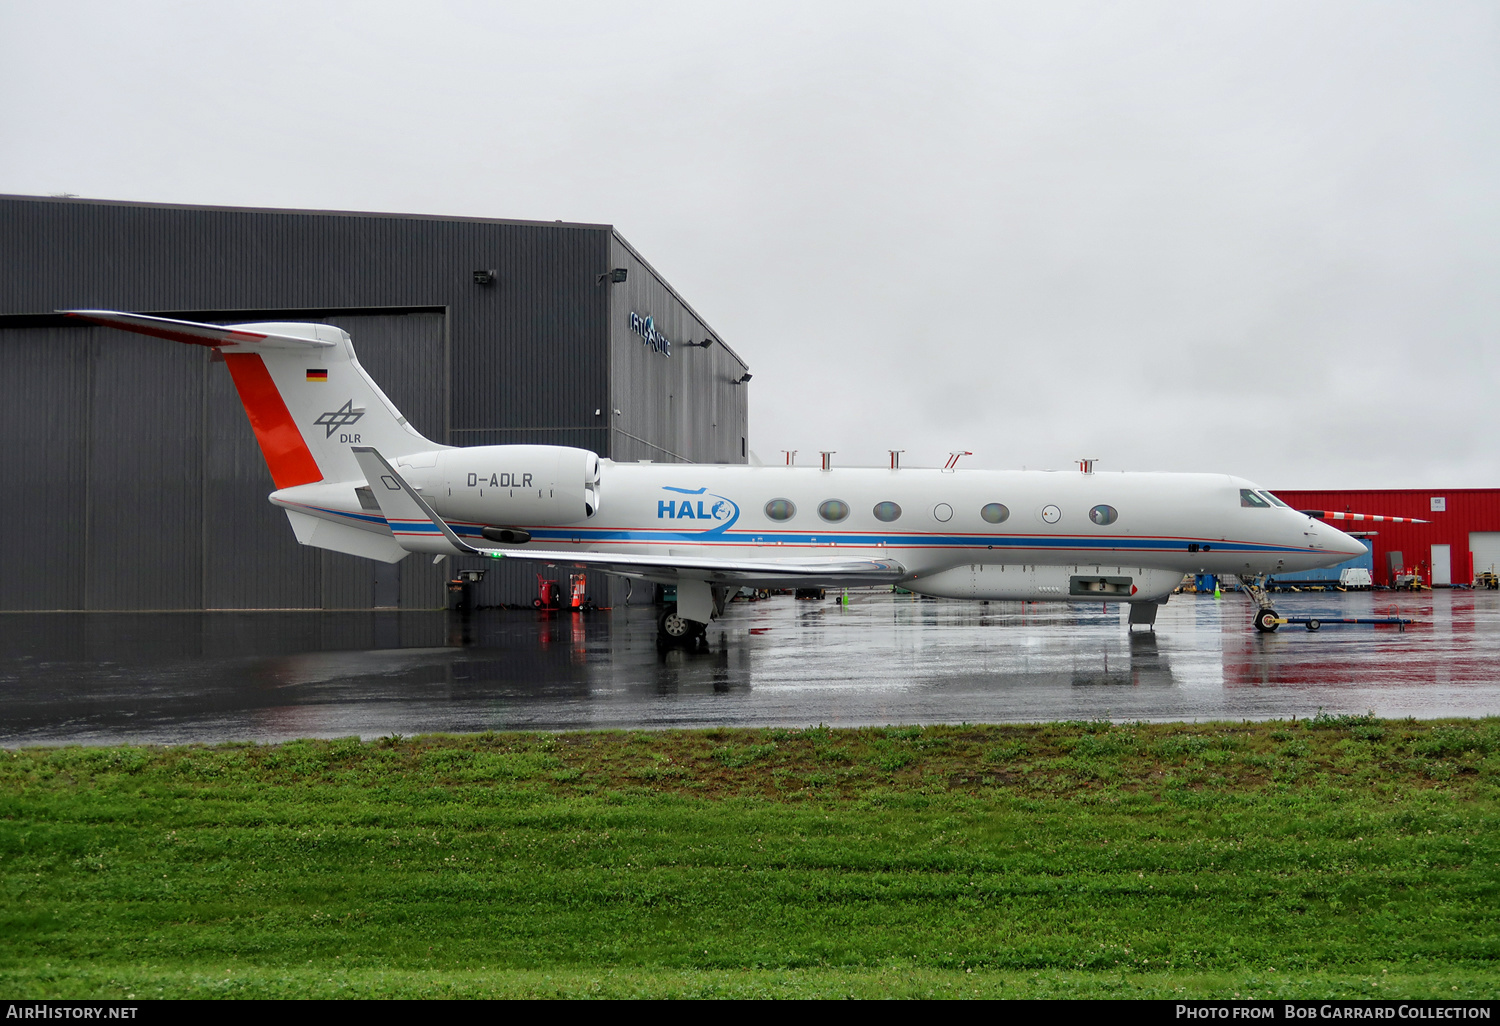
(958, 533)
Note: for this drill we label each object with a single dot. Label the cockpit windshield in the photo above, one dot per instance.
(1275, 500)
(1250, 497)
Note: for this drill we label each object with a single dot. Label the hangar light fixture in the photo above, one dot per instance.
(743, 378)
(485, 277)
(613, 276)
(700, 345)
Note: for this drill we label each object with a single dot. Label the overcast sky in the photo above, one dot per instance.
(1258, 238)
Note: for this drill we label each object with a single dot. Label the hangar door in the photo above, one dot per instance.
(1485, 545)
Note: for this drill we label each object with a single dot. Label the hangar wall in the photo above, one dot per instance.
(1456, 518)
(150, 490)
(689, 406)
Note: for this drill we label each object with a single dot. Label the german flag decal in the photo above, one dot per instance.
(317, 375)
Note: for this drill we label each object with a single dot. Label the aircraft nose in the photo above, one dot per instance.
(1346, 544)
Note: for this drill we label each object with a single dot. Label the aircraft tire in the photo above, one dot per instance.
(1265, 621)
(675, 628)
(1314, 625)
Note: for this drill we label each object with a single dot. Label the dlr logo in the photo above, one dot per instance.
(349, 439)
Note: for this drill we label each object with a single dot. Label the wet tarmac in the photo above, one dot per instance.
(167, 678)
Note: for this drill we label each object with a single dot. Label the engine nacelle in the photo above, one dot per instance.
(508, 484)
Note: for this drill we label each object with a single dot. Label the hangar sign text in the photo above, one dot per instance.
(646, 328)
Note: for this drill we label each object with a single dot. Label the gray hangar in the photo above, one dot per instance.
(136, 481)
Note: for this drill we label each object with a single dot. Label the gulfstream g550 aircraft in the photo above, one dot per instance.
(355, 477)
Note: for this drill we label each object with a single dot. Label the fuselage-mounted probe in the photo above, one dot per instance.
(353, 476)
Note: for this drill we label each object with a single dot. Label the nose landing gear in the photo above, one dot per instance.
(1266, 619)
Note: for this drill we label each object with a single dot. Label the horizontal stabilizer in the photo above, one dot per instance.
(325, 534)
(217, 336)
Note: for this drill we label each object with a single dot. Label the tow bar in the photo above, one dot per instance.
(1316, 623)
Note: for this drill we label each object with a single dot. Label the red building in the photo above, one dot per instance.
(1461, 540)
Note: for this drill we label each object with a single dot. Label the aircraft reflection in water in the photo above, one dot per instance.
(353, 476)
(103, 678)
(1143, 666)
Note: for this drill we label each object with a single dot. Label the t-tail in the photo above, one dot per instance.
(305, 393)
(309, 402)
(315, 410)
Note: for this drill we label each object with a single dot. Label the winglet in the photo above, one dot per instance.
(414, 525)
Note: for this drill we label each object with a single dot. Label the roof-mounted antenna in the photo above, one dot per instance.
(827, 458)
(791, 457)
(953, 458)
(1086, 466)
(896, 458)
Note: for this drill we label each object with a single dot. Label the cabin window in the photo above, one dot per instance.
(1275, 500)
(1104, 515)
(995, 513)
(886, 512)
(833, 510)
(1251, 499)
(781, 509)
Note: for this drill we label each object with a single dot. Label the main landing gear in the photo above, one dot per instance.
(671, 627)
(686, 622)
(1266, 619)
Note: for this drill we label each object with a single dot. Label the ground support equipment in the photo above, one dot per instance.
(1316, 623)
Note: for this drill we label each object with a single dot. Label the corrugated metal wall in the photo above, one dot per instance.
(1468, 509)
(154, 487)
(686, 407)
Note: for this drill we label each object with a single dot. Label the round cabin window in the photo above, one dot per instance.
(781, 509)
(833, 510)
(943, 512)
(1104, 515)
(995, 513)
(886, 512)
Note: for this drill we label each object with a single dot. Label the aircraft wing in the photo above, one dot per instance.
(417, 528)
(803, 571)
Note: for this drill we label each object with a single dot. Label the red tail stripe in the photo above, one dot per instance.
(280, 442)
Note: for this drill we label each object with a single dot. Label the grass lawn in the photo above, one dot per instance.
(1337, 857)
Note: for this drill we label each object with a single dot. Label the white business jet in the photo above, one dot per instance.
(355, 477)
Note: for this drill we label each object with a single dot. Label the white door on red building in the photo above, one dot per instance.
(1442, 566)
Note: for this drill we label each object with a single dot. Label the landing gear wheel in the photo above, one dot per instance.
(1265, 621)
(671, 627)
(1314, 625)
